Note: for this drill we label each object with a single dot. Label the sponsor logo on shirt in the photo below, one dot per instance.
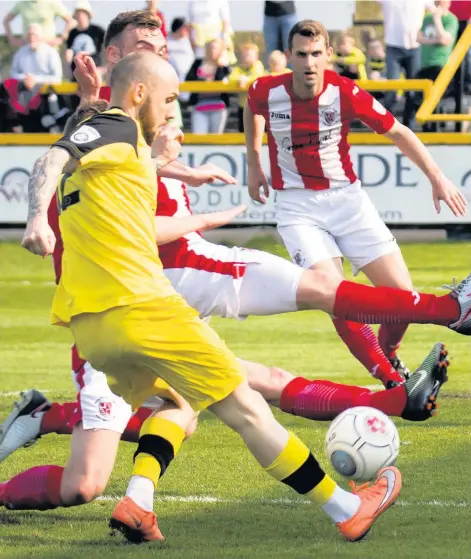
(280, 115)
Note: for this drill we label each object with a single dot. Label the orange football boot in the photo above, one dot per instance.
(136, 524)
(375, 498)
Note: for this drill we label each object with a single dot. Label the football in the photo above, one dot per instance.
(361, 441)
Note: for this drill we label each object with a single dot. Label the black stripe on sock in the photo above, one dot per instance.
(158, 447)
(306, 477)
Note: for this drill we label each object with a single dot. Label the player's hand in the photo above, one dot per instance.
(166, 146)
(218, 219)
(256, 179)
(207, 174)
(88, 77)
(39, 237)
(444, 190)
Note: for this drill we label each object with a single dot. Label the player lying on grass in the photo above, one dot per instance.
(138, 30)
(127, 320)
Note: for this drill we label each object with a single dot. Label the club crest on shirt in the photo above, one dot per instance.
(330, 116)
(84, 135)
(298, 258)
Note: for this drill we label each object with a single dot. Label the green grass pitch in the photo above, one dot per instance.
(215, 502)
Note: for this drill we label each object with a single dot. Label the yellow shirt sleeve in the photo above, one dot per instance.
(105, 140)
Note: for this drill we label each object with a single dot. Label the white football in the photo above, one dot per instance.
(361, 441)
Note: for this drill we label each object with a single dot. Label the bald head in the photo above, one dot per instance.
(146, 86)
(141, 67)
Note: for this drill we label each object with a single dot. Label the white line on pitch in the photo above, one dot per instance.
(204, 499)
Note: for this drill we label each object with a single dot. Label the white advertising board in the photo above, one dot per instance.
(400, 191)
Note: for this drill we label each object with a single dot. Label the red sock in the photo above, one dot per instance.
(131, 433)
(363, 344)
(324, 400)
(385, 305)
(56, 419)
(390, 338)
(38, 488)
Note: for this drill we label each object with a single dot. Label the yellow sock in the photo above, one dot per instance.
(298, 468)
(159, 442)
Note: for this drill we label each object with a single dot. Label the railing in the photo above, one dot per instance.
(69, 88)
(425, 112)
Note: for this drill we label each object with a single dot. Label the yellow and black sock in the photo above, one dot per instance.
(159, 442)
(298, 468)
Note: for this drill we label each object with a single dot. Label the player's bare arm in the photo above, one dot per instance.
(169, 229)
(442, 188)
(39, 238)
(254, 126)
(204, 174)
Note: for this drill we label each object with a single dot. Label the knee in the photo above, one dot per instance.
(317, 289)
(191, 427)
(247, 411)
(83, 491)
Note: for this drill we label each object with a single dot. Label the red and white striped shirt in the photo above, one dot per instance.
(307, 139)
(191, 251)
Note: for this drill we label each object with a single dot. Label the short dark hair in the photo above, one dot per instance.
(177, 24)
(135, 19)
(83, 113)
(308, 28)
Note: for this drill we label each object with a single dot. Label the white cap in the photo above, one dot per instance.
(85, 6)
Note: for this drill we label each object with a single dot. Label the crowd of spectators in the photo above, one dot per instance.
(418, 39)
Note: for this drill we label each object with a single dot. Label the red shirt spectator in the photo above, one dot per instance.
(461, 9)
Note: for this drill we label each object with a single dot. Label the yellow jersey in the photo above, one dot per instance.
(107, 219)
(252, 73)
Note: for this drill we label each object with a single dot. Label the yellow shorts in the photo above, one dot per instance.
(161, 339)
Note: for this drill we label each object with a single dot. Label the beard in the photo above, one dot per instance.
(146, 121)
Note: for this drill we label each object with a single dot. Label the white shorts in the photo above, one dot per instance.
(263, 284)
(325, 224)
(97, 406)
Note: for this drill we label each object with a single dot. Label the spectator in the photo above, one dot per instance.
(209, 113)
(153, 7)
(376, 60)
(277, 63)
(402, 23)
(36, 62)
(43, 12)
(180, 51)
(208, 20)
(249, 69)
(462, 10)
(437, 37)
(278, 20)
(85, 37)
(349, 59)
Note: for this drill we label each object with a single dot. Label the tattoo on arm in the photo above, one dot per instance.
(43, 180)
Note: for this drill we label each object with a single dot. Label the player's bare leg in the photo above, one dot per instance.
(92, 457)
(288, 460)
(391, 270)
(85, 476)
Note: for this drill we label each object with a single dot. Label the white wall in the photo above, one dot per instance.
(246, 15)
